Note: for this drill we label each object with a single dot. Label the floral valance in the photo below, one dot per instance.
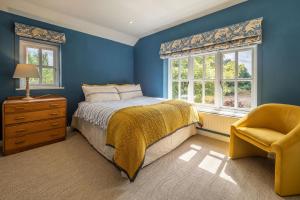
(39, 33)
(237, 35)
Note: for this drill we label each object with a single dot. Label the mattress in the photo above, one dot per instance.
(96, 136)
(91, 119)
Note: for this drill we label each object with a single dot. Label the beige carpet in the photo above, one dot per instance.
(72, 169)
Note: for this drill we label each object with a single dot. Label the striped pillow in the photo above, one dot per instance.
(98, 93)
(129, 91)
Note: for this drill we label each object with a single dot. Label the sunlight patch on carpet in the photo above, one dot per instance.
(187, 156)
(210, 164)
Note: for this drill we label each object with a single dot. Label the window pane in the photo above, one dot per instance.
(32, 56)
(198, 92)
(245, 64)
(184, 90)
(175, 69)
(47, 57)
(244, 94)
(184, 68)
(229, 66)
(34, 81)
(198, 67)
(209, 92)
(228, 93)
(210, 67)
(48, 76)
(175, 90)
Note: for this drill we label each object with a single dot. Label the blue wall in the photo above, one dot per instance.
(91, 59)
(278, 56)
(85, 59)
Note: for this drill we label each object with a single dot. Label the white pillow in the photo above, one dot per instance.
(129, 91)
(98, 93)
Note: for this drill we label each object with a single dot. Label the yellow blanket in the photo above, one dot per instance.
(132, 130)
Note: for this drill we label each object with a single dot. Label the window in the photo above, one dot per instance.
(204, 76)
(223, 80)
(46, 57)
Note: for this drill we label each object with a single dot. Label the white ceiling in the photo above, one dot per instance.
(124, 21)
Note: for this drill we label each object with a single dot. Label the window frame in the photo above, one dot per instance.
(42, 45)
(218, 104)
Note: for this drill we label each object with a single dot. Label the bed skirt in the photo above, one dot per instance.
(96, 136)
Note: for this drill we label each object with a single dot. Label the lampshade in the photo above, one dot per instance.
(26, 71)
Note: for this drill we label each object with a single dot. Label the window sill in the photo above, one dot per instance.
(223, 112)
(43, 88)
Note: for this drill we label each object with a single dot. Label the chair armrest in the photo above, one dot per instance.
(293, 137)
(240, 122)
(252, 118)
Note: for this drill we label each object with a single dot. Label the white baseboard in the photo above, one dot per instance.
(213, 135)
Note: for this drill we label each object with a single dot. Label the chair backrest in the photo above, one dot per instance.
(280, 117)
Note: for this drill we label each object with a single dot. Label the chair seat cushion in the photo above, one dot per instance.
(262, 135)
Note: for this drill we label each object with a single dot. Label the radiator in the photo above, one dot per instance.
(217, 123)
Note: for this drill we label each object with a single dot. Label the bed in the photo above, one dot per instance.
(92, 120)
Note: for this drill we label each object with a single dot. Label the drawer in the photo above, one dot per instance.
(15, 143)
(33, 106)
(19, 130)
(34, 139)
(34, 116)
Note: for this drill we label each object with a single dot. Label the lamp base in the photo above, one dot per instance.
(27, 98)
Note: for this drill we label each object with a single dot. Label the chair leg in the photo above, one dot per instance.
(287, 171)
(240, 148)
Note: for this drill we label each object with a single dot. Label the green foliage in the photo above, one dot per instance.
(45, 59)
(33, 56)
(198, 67)
(229, 69)
(210, 67)
(175, 69)
(228, 88)
(184, 68)
(243, 72)
(244, 87)
(184, 90)
(47, 73)
(209, 92)
(198, 92)
(174, 90)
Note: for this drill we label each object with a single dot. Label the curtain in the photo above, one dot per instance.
(237, 35)
(39, 33)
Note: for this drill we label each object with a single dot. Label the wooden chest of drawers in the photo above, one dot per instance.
(30, 123)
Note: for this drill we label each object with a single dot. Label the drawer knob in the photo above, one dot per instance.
(54, 105)
(53, 114)
(19, 118)
(19, 108)
(20, 142)
(54, 124)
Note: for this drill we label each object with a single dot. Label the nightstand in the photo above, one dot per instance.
(31, 123)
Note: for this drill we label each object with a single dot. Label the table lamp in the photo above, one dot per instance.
(26, 71)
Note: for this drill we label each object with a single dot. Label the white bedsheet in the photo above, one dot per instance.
(99, 113)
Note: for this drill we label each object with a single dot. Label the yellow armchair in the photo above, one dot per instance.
(271, 128)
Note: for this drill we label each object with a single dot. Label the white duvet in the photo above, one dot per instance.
(99, 113)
